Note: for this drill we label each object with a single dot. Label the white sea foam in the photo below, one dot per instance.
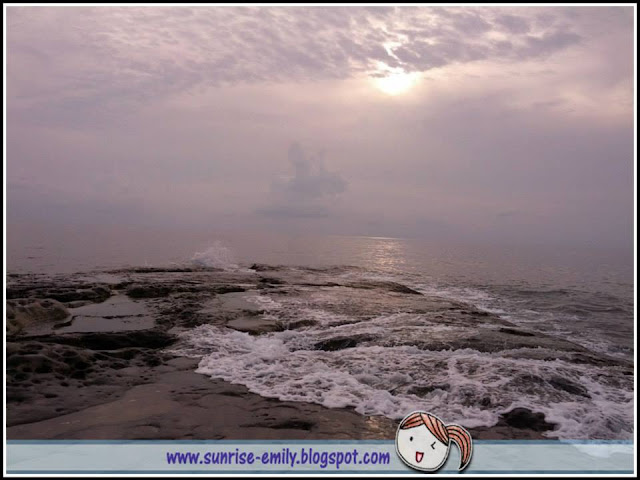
(264, 302)
(472, 387)
(387, 374)
(215, 256)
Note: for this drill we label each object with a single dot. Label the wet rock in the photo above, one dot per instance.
(598, 360)
(65, 372)
(399, 288)
(285, 425)
(569, 386)
(485, 340)
(154, 338)
(69, 294)
(148, 291)
(513, 331)
(22, 313)
(323, 284)
(523, 418)
(160, 270)
(388, 286)
(272, 281)
(295, 324)
(477, 313)
(222, 289)
(258, 267)
(528, 379)
(340, 343)
(45, 380)
(422, 390)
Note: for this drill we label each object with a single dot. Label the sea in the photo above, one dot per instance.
(581, 294)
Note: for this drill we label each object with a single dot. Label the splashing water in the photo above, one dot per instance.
(216, 256)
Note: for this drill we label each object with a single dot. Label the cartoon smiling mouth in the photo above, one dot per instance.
(419, 456)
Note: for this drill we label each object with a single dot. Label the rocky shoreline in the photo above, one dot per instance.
(89, 356)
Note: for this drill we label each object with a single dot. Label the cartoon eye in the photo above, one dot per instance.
(411, 439)
(432, 445)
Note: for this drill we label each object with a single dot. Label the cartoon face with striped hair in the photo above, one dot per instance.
(423, 442)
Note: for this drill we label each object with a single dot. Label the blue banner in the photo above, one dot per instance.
(282, 457)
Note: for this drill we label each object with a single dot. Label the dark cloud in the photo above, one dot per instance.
(513, 23)
(549, 43)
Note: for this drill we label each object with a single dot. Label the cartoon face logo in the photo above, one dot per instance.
(423, 442)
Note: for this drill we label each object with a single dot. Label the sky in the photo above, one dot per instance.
(511, 124)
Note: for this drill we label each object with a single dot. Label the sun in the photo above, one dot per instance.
(396, 83)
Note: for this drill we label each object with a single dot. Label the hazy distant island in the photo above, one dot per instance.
(274, 352)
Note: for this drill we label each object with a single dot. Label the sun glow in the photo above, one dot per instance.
(396, 82)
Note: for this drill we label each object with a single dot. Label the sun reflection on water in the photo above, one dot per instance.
(385, 253)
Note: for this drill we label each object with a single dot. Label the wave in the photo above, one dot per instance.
(383, 370)
(471, 386)
(216, 256)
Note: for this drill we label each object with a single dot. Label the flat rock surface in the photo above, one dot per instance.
(180, 404)
(88, 355)
(117, 313)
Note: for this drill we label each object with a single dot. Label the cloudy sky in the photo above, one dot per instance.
(477, 123)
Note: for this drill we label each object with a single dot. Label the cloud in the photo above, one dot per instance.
(310, 180)
(306, 192)
(105, 59)
(513, 23)
(182, 115)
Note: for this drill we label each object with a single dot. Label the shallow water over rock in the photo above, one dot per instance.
(118, 313)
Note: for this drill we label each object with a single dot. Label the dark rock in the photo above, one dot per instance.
(148, 291)
(422, 390)
(569, 386)
(272, 281)
(340, 343)
(598, 360)
(399, 288)
(232, 393)
(152, 338)
(291, 424)
(528, 379)
(96, 294)
(295, 324)
(222, 289)
(258, 267)
(64, 324)
(389, 286)
(513, 331)
(523, 418)
(160, 270)
(476, 313)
